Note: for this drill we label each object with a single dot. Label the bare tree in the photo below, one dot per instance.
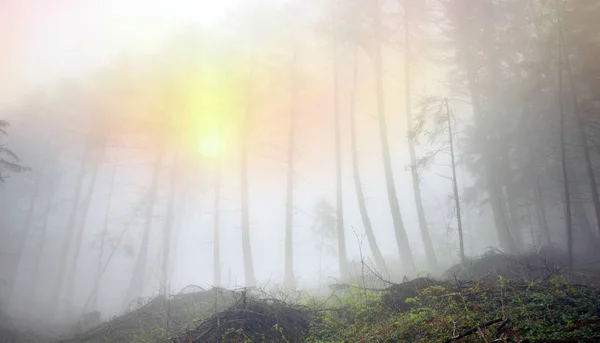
(341, 239)
(563, 157)
(431, 259)
(289, 279)
(362, 206)
(401, 236)
(455, 185)
(245, 219)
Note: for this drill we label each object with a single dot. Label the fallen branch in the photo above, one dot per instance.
(473, 330)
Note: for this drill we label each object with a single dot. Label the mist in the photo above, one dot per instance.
(152, 146)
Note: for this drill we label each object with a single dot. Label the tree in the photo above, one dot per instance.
(289, 279)
(431, 259)
(324, 226)
(9, 161)
(245, 214)
(341, 238)
(401, 236)
(362, 206)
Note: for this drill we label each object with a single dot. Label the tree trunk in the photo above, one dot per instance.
(289, 279)
(538, 198)
(72, 278)
(589, 167)
(362, 206)
(455, 187)
(582, 222)
(217, 222)
(136, 284)
(341, 237)
(39, 251)
(431, 259)
(402, 242)
(245, 219)
(98, 278)
(563, 160)
(62, 265)
(23, 236)
(168, 228)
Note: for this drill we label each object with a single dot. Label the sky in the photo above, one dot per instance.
(42, 40)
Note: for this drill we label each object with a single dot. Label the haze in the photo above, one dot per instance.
(145, 123)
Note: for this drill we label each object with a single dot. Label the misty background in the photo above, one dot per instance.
(146, 123)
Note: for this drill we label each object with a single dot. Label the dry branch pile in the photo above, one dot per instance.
(254, 320)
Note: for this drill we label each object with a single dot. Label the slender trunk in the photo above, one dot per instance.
(32, 294)
(563, 160)
(538, 198)
(62, 265)
(136, 284)
(402, 242)
(362, 206)
(429, 252)
(245, 219)
(168, 228)
(24, 235)
(341, 239)
(582, 222)
(98, 278)
(289, 279)
(510, 203)
(455, 187)
(530, 221)
(72, 278)
(217, 222)
(589, 167)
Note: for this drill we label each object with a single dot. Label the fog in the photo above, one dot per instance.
(153, 139)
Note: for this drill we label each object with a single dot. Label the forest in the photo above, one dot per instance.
(311, 147)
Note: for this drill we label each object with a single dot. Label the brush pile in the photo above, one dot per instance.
(540, 265)
(254, 321)
(160, 318)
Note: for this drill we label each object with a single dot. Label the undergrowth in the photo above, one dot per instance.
(535, 312)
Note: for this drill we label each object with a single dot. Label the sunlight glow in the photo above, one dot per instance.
(210, 144)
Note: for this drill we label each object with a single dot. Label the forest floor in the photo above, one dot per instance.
(494, 298)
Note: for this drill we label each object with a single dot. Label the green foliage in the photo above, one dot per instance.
(537, 312)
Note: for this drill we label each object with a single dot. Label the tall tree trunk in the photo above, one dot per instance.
(245, 219)
(217, 221)
(563, 159)
(62, 265)
(402, 242)
(582, 222)
(136, 284)
(530, 222)
(455, 187)
(362, 206)
(168, 228)
(33, 287)
(289, 279)
(23, 236)
(589, 167)
(341, 237)
(431, 259)
(538, 198)
(80, 227)
(98, 278)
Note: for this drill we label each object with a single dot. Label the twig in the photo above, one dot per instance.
(473, 330)
(501, 327)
